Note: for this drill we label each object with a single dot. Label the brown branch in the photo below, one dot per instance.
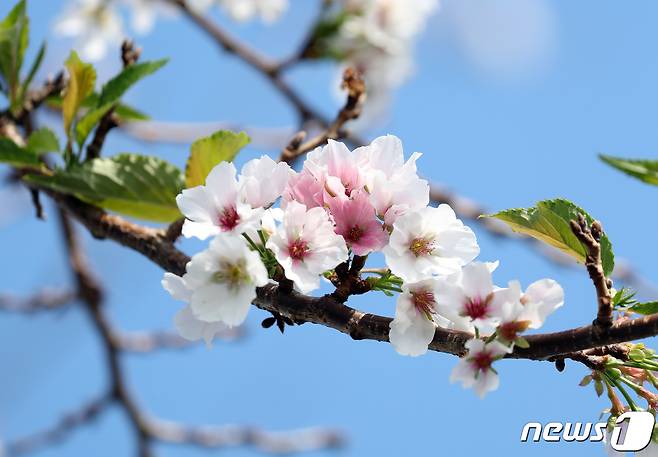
(151, 341)
(288, 442)
(92, 296)
(468, 209)
(45, 300)
(356, 94)
(129, 56)
(590, 237)
(187, 132)
(70, 421)
(260, 63)
(330, 313)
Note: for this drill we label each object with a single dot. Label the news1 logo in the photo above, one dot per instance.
(631, 432)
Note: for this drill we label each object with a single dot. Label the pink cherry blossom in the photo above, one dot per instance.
(356, 222)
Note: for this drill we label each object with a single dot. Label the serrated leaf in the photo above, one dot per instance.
(645, 308)
(14, 30)
(114, 89)
(549, 221)
(644, 170)
(139, 186)
(42, 141)
(82, 79)
(12, 154)
(207, 152)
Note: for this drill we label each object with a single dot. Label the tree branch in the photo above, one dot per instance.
(289, 442)
(328, 312)
(591, 238)
(70, 421)
(45, 300)
(356, 94)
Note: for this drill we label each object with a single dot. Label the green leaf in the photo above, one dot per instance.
(645, 308)
(33, 70)
(86, 124)
(12, 154)
(42, 141)
(129, 114)
(139, 186)
(207, 152)
(126, 113)
(548, 221)
(114, 89)
(14, 30)
(81, 84)
(644, 170)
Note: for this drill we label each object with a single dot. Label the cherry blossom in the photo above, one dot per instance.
(416, 318)
(334, 165)
(306, 246)
(520, 311)
(393, 185)
(222, 280)
(94, 23)
(145, 13)
(475, 368)
(356, 222)
(431, 241)
(262, 181)
(216, 207)
(470, 300)
(245, 10)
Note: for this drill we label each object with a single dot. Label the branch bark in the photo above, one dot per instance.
(590, 236)
(328, 312)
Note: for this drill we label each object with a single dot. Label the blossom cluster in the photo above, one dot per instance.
(377, 37)
(97, 24)
(270, 221)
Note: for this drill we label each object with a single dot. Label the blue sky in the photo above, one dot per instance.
(507, 116)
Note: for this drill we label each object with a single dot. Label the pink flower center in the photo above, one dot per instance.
(421, 246)
(354, 234)
(477, 308)
(228, 218)
(482, 361)
(424, 302)
(297, 249)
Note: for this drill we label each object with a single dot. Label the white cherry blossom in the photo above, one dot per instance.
(470, 300)
(244, 10)
(262, 181)
(95, 24)
(520, 311)
(187, 325)
(416, 318)
(222, 280)
(216, 207)
(430, 241)
(145, 13)
(306, 246)
(475, 368)
(393, 184)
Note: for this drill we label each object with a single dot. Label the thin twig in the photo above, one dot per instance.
(91, 294)
(590, 237)
(56, 433)
(289, 442)
(43, 301)
(355, 87)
